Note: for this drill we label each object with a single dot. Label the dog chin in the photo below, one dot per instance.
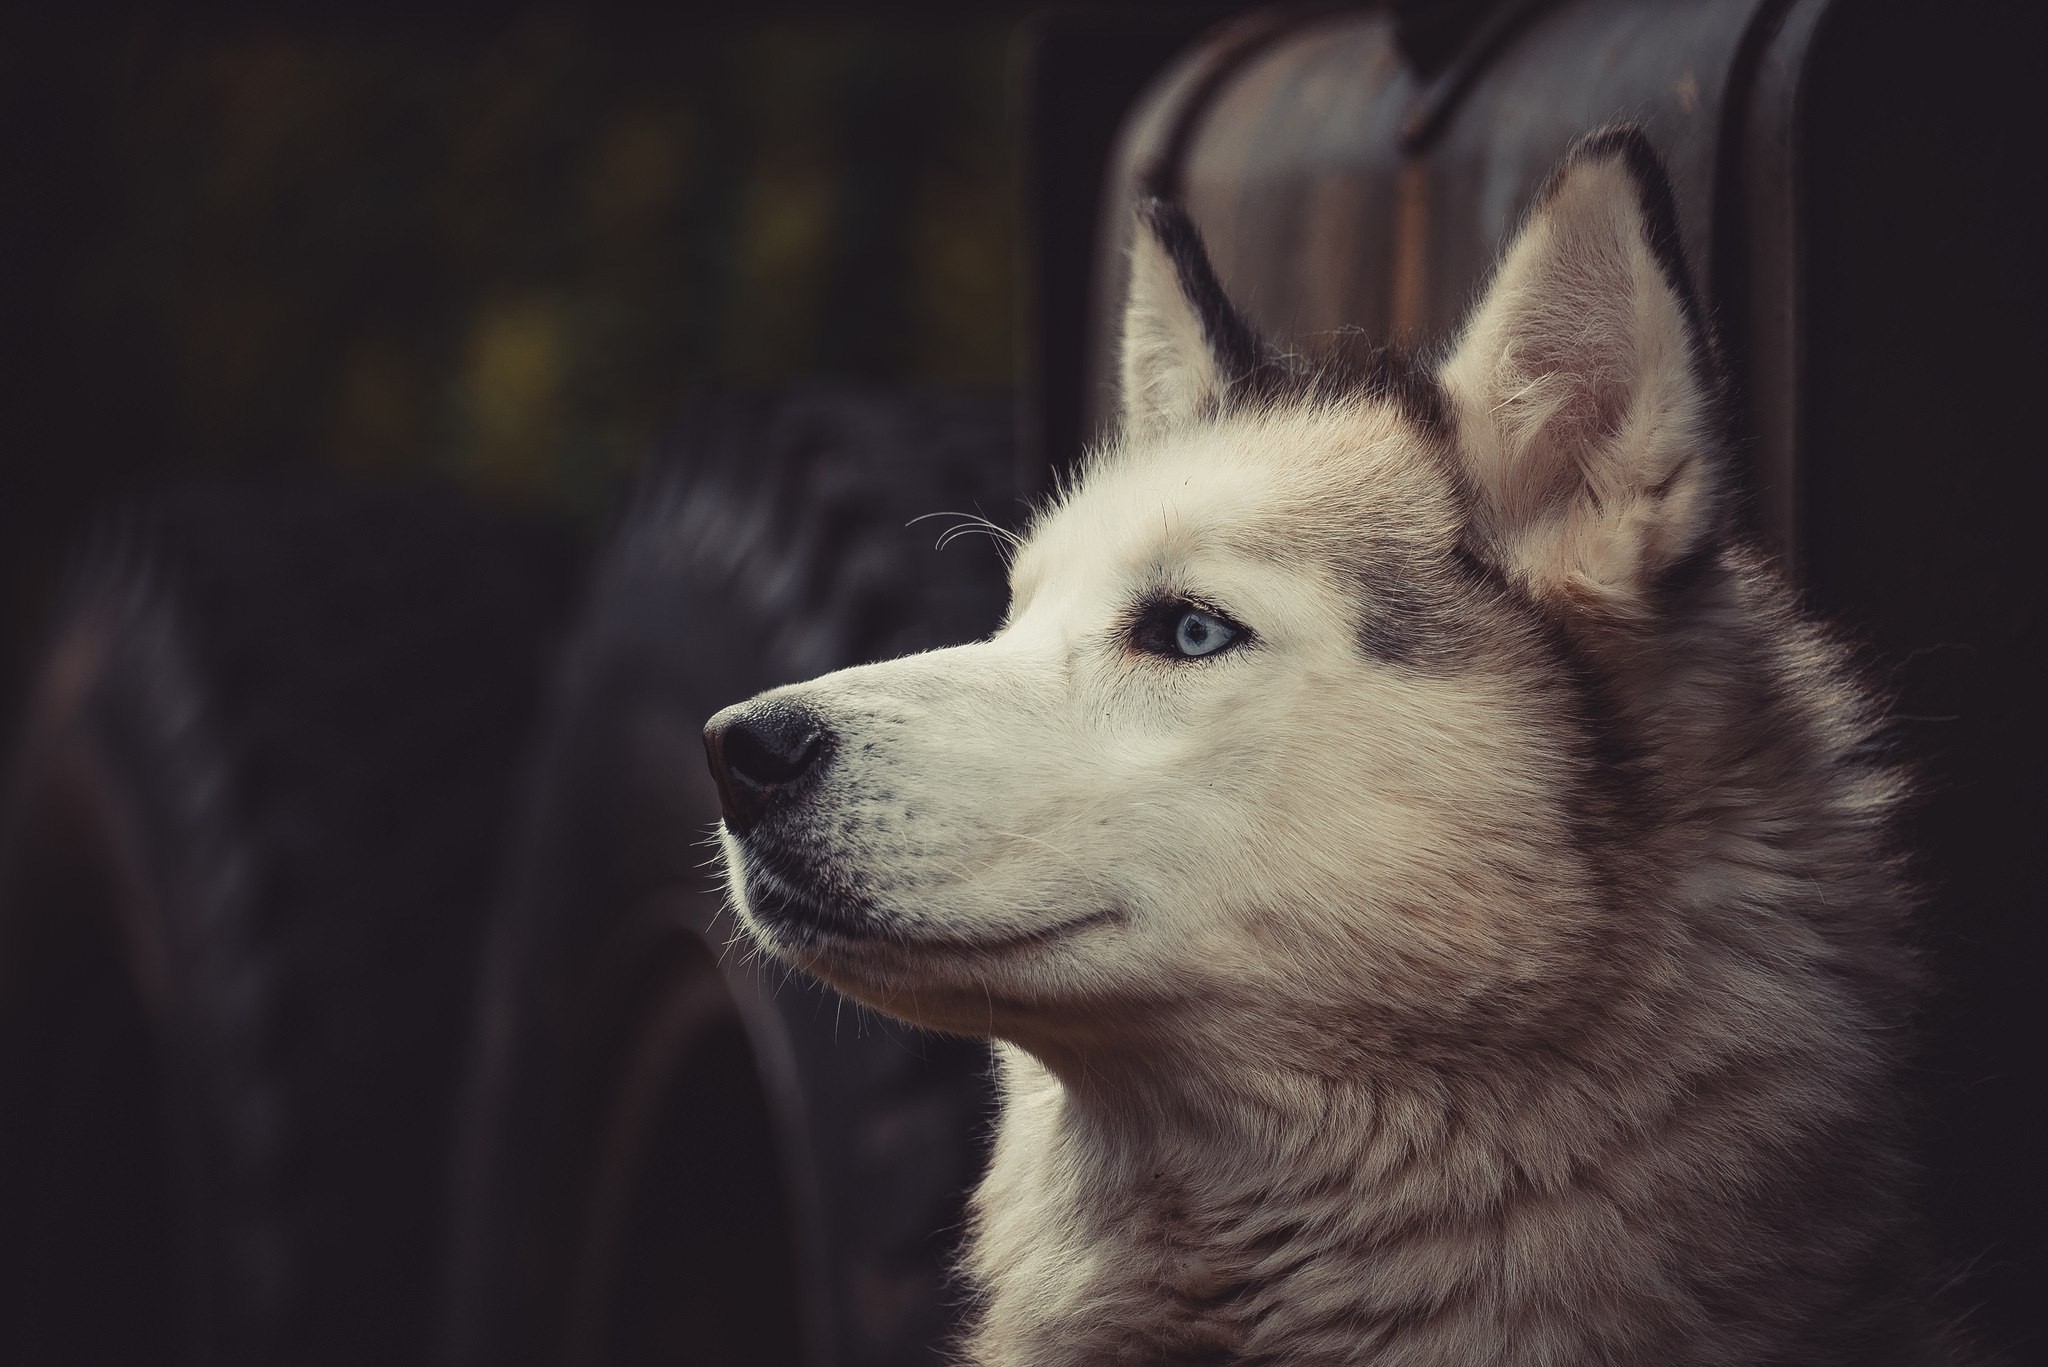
(851, 947)
(794, 920)
(853, 940)
(953, 987)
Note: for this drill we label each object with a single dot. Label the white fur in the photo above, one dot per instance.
(1341, 1017)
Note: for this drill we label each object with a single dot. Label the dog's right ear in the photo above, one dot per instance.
(1185, 345)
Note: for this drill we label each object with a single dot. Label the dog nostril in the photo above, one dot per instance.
(767, 757)
(757, 754)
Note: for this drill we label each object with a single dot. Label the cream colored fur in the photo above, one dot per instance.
(1168, 370)
(1581, 414)
(1526, 999)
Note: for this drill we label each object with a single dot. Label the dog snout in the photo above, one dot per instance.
(761, 753)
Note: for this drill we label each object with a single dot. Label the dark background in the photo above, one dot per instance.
(496, 251)
(372, 321)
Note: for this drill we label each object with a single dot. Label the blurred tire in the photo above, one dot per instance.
(767, 545)
(253, 830)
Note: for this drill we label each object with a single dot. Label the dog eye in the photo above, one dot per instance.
(1175, 629)
(1199, 633)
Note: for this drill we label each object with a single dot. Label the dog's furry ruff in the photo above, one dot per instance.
(1502, 960)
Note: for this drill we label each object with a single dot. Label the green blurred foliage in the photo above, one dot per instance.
(505, 255)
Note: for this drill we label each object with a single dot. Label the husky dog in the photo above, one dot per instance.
(1430, 885)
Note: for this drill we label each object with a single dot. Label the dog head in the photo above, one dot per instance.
(1286, 732)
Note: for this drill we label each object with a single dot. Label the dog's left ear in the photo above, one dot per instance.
(1185, 345)
(1584, 390)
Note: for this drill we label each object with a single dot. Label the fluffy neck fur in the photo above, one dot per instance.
(1704, 1124)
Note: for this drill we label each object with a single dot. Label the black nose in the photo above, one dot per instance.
(761, 752)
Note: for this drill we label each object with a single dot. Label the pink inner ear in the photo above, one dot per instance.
(1583, 344)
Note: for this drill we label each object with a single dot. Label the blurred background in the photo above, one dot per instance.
(414, 423)
(494, 249)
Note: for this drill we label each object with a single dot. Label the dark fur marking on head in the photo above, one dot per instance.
(1345, 364)
(1411, 615)
(1349, 364)
(1405, 623)
(1231, 339)
(1614, 804)
(1683, 576)
(1418, 615)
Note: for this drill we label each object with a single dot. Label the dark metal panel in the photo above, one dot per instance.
(1150, 157)
(1337, 187)
(1574, 68)
(1756, 275)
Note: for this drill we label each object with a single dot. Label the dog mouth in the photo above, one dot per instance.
(809, 911)
(784, 902)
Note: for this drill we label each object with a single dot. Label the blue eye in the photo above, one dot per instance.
(1200, 633)
(1169, 627)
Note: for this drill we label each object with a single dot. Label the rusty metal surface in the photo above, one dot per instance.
(1337, 187)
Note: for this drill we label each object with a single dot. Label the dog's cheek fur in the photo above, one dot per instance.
(1343, 864)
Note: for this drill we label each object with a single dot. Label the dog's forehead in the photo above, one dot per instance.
(1321, 486)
